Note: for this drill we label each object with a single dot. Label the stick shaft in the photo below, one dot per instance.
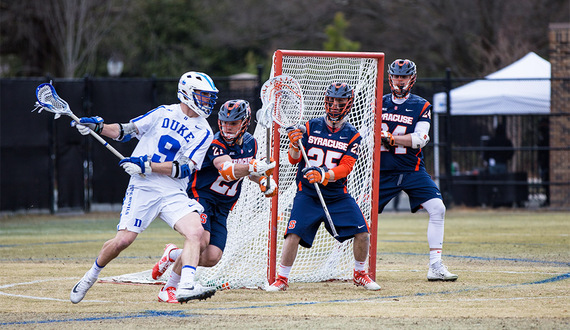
(327, 214)
(267, 151)
(100, 139)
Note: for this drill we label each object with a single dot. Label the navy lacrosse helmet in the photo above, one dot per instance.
(234, 110)
(401, 68)
(344, 95)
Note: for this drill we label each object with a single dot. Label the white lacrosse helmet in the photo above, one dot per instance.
(198, 92)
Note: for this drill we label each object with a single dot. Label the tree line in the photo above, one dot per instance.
(162, 38)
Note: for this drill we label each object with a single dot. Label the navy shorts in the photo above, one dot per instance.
(307, 214)
(418, 185)
(214, 220)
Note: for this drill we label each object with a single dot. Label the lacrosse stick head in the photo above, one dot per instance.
(282, 99)
(49, 100)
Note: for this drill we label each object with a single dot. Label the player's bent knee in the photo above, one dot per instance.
(211, 256)
(124, 239)
(435, 208)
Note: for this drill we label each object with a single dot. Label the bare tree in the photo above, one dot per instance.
(75, 28)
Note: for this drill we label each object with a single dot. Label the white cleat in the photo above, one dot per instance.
(438, 272)
(188, 291)
(362, 279)
(80, 289)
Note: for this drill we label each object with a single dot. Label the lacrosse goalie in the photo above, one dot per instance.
(332, 143)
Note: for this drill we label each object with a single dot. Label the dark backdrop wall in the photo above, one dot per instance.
(47, 165)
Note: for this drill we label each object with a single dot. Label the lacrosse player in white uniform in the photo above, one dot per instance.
(173, 140)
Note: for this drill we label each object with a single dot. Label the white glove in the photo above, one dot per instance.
(268, 191)
(261, 167)
(83, 130)
(136, 165)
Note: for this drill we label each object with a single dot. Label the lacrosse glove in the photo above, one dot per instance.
(261, 167)
(317, 174)
(86, 124)
(270, 190)
(387, 139)
(136, 165)
(295, 133)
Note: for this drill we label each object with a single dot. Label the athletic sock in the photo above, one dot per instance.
(359, 265)
(434, 256)
(173, 280)
(174, 254)
(188, 274)
(284, 271)
(95, 270)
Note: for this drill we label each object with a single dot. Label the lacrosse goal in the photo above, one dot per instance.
(257, 224)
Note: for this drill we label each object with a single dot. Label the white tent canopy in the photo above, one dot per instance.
(501, 96)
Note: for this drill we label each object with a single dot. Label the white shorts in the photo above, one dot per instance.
(142, 206)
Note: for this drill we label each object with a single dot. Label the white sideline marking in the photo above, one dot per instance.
(41, 298)
(468, 271)
(495, 299)
(34, 282)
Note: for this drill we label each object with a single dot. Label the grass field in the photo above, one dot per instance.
(513, 267)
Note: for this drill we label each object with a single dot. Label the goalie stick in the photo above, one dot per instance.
(49, 100)
(282, 99)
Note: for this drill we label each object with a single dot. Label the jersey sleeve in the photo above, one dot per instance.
(145, 122)
(197, 149)
(215, 150)
(425, 113)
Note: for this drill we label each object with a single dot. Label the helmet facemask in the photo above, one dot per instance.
(337, 108)
(198, 92)
(401, 90)
(339, 98)
(401, 68)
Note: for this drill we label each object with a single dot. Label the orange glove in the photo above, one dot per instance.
(317, 174)
(295, 133)
(269, 191)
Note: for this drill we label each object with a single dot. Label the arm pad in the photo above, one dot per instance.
(420, 136)
(182, 169)
(126, 131)
(227, 171)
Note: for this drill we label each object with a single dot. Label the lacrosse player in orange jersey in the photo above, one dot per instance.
(406, 120)
(332, 148)
(217, 186)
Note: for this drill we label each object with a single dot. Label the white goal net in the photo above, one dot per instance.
(250, 256)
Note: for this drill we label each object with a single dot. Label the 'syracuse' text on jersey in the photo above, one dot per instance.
(207, 183)
(401, 119)
(326, 148)
(167, 134)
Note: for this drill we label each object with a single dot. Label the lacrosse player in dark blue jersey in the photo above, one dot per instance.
(331, 144)
(217, 186)
(406, 120)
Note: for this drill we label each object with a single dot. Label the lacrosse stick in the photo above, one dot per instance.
(282, 99)
(49, 100)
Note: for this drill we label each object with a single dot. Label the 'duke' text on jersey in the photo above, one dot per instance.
(178, 127)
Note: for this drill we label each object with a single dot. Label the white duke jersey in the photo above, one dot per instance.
(401, 119)
(167, 134)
